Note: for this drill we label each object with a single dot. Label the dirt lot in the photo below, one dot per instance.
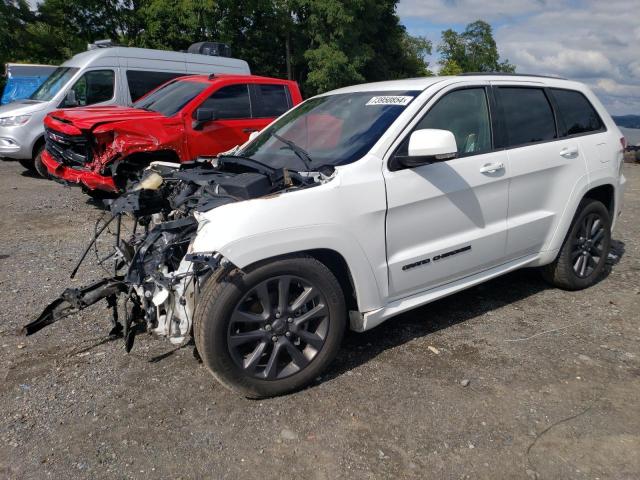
(553, 391)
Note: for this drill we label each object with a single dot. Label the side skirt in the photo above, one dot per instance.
(368, 320)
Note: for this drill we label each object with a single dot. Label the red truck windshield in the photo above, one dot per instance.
(172, 97)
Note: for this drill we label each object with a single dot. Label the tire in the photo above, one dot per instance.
(38, 165)
(28, 164)
(285, 352)
(582, 257)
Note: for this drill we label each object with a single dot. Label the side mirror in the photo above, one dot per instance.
(202, 116)
(428, 146)
(205, 114)
(70, 100)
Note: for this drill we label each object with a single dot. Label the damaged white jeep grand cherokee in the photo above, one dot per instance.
(355, 206)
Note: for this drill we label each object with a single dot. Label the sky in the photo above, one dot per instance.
(593, 41)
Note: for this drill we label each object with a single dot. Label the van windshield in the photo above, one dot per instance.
(170, 98)
(329, 130)
(53, 84)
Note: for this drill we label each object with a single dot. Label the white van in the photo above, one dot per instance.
(100, 76)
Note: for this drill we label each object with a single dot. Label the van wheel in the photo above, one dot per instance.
(27, 163)
(272, 329)
(584, 252)
(38, 165)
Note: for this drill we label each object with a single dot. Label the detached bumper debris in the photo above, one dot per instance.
(74, 300)
(154, 272)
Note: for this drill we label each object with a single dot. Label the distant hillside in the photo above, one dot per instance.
(628, 121)
(632, 135)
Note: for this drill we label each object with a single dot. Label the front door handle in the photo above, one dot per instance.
(492, 167)
(569, 152)
(249, 130)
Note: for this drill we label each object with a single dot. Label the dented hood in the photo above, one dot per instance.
(88, 118)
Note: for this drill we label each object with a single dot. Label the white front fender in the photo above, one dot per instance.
(318, 217)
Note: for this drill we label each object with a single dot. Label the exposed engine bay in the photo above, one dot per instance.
(155, 278)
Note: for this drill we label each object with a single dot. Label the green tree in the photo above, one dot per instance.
(14, 17)
(473, 50)
(174, 24)
(323, 44)
(352, 42)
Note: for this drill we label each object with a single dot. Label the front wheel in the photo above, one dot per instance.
(272, 329)
(38, 165)
(28, 164)
(584, 252)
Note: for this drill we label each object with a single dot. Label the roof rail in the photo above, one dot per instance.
(509, 74)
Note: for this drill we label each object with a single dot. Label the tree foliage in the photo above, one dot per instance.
(323, 44)
(473, 50)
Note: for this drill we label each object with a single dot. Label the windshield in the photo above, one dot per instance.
(52, 85)
(171, 97)
(329, 130)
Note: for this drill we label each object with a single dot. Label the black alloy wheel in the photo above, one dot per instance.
(278, 327)
(583, 255)
(588, 244)
(271, 328)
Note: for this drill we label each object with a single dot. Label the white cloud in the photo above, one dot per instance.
(587, 40)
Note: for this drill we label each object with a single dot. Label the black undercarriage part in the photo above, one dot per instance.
(73, 300)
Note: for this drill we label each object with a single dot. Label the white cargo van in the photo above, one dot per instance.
(100, 76)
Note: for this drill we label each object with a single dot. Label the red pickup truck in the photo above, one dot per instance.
(102, 148)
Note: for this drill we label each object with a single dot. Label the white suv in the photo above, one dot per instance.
(365, 202)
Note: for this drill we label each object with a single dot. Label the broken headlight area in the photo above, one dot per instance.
(148, 230)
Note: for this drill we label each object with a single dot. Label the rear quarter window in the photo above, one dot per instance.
(576, 112)
(527, 114)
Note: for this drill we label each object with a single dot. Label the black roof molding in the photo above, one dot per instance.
(473, 74)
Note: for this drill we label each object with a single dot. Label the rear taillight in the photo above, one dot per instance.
(623, 142)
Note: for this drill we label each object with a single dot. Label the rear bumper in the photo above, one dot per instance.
(91, 180)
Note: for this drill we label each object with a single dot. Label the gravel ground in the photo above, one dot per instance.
(510, 379)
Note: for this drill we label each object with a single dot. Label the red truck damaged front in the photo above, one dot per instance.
(90, 147)
(102, 148)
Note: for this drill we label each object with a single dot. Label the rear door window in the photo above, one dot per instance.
(577, 114)
(527, 114)
(142, 82)
(273, 101)
(231, 102)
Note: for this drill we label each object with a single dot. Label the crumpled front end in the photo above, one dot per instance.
(98, 156)
(157, 279)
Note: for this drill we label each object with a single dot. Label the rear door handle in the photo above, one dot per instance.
(249, 130)
(569, 152)
(492, 167)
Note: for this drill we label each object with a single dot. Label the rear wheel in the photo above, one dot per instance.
(273, 329)
(584, 252)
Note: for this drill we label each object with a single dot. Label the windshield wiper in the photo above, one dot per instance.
(300, 152)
